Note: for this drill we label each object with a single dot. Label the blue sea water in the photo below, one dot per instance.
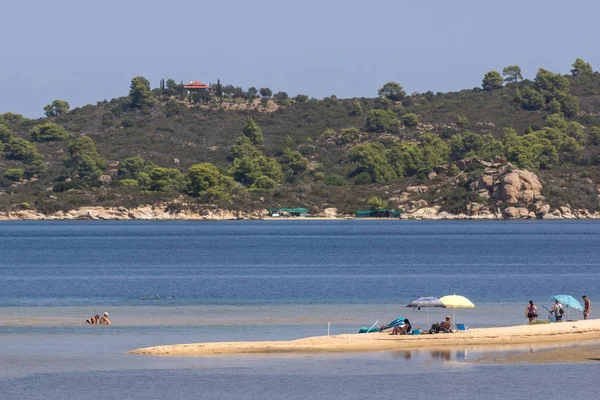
(179, 282)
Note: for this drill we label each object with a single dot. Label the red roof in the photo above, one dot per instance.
(196, 85)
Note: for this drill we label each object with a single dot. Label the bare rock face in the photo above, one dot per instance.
(517, 187)
(330, 212)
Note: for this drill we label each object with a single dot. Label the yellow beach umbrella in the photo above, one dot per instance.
(454, 301)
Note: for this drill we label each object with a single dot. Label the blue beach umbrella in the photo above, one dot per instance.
(426, 302)
(568, 301)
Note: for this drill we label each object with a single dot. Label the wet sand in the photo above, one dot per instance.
(569, 331)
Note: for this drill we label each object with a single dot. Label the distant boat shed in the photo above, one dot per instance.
(378, 213)
(287, 212)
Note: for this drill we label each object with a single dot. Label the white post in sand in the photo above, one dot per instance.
(328, 327)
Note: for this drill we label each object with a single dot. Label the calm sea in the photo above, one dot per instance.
(179, 282)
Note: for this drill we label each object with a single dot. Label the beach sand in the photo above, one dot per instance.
(568, 331)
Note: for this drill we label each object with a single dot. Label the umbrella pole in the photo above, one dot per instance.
(428, 324)
(454, 316)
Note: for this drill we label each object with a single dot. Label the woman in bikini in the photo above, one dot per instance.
(531, 312)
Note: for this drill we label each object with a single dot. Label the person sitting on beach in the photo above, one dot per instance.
(558, 311)
(446, 325)
(531, 312)
(104, 320)
(404, 329)
(443, 326)
(93, 320)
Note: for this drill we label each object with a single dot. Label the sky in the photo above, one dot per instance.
(84, 52)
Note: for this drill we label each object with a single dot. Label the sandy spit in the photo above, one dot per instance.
(571, 331)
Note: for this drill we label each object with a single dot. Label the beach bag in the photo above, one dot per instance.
(561, 311)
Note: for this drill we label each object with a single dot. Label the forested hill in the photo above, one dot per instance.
(248, 149)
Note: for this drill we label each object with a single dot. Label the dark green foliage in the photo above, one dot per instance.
(410, 120)
(530, 99)
(21, 149)
(580, 67)
(301, 98)
(512, 74)
(380, 120)
(165, 180)
(356, 109)
(265, 92)
(57, 107)
(253, 132)
(294, 163)
(206, 180)
(5, 133)
(492, 80)
(281, 96)
(14, 174)
(392, 91)
(335, 180)
(348, 135)
(131, 167)
(364, 178)
(140, 95)
(85, 159)
(48, 132)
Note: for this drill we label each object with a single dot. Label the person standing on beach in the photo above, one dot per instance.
(531, 312)
(587, 306)
(558, 311)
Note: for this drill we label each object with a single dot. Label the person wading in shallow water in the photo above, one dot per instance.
(587, 306)
(531, 312)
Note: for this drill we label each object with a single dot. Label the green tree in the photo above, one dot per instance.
(554, 107)
(556, 121)
(551, 85)
(48, 132)
(356, 109)
(253, 132)
(21, 149)
(594, 136)
(14, 174)
(376, 202)
(140, 95)
(348, 135)
(569, 105)
(492, 80)
(131, 167)
(165, 179)
(265, 92)
(392, 91)
(85, 159)
(371, 158)
(205, 179)
(380, 120)
(294, 162)
(334, 180)
(301, 98)
(512, 74)
(252, 93)
(5, 133)
(281, 96)
(531, 99)
(57, 107)
(410, 120)
(580, 67)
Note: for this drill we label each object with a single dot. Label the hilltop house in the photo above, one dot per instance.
(198, 87)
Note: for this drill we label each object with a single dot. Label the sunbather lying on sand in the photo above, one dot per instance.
(403, 329)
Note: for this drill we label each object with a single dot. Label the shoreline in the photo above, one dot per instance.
(574, 331)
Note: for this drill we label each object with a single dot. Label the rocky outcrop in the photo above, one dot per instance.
(517, 187)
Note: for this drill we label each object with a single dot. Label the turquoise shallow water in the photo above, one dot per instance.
(269, 281)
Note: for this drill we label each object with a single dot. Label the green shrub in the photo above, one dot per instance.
(336, 180)
(128, 182)
(14, 174)
(364, 178)
(410, 120)
(48, 132)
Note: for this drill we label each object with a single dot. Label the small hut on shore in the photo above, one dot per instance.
(378, 213)
(288, 212)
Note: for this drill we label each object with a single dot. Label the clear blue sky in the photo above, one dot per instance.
(83, 51)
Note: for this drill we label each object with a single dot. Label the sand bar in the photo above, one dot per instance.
(569, 331)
